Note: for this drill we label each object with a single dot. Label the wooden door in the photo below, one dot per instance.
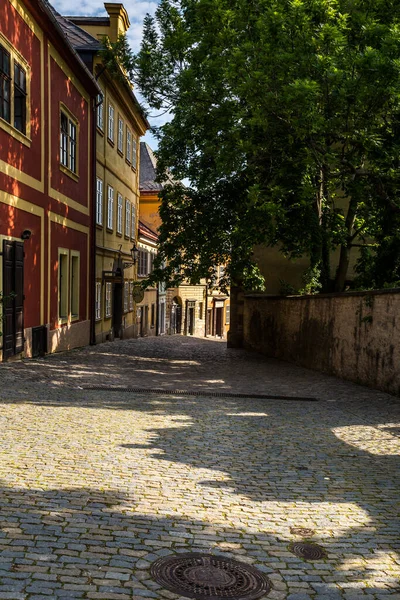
(13, 294)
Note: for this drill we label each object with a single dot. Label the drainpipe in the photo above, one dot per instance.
(92, 276)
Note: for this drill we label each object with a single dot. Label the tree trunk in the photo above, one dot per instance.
(341, 273)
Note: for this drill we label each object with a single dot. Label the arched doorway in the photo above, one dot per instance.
(176, 315)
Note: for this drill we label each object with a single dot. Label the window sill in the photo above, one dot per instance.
(69, 173)
(74, 318)
(128, 162)
(63, 321)
(100, 130)
(119, 234)
(15, 133)
(111, 142)
(109, 230)
(121, 153)
(99, 225)
(107, 317)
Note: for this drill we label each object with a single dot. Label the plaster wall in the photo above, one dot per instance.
(355, 336)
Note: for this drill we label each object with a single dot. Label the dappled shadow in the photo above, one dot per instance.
(96, 541)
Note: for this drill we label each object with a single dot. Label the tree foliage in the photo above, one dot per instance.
(285, 122)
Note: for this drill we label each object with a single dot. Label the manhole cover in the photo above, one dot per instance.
(307, 550)
(303, 531)
(196, 575)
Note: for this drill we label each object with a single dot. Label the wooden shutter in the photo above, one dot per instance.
(19, 296)
(8, 303)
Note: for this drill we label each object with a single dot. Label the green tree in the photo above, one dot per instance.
(285, 122)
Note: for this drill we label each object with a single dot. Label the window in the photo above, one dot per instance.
(227, 314)
(111, 122)
(100, 111)
(99, 201)
(68, 142)
(108, 299)
(119, 213)
(98, 301)
(126, 296)
(14, 96)
(5, 84)
(128, 145)
(62, 284)
(127, 217)
(110, 207)
(151, 265)
(20, 96)
(120, 135)
(131, 295)
(142, 263)
(200, 310)
(134, 153)
(133, 222)
(74, 285)
(153, 315)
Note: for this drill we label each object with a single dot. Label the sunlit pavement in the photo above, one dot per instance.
(97, 484)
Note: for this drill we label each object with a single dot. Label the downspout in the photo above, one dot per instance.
(206, 310)
(92, 278)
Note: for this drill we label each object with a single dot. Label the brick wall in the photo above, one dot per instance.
(355, 336)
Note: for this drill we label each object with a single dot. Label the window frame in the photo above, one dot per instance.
(100, 112)
(133, 221)
(8, 125)
(120, 136)
(110, 207)
(62, 287)
(108, 300)
(127, 218)
(70, 143)
(75, 255)
(97, 301)
(120, 202)
(128, 149)
(99, 203)
(110, 123)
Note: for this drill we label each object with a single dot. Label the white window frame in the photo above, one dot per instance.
(107, 304)
(69, 142)
(120, 144)
(133, 221)
(100, 111)
(127, 218)
(98, 301)
(110, 128)
(110, 207)
(99, 201)
(63, 287)
(128, 145)
(74, 286)
(126, 296)
(119, 213)
(134, 152)
(130, 295)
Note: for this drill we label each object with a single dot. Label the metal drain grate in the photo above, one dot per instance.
(307, 550)
(106, 388)
(200, 576)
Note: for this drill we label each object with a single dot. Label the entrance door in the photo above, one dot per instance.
(176, 317)
(218, 322)
(117, 310)
(191, 321)
(13, 292)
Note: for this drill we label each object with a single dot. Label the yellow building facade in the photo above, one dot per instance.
(120, 123)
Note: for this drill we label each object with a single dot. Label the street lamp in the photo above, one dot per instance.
(134, 253)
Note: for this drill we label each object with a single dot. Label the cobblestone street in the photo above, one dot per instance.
(97, 484)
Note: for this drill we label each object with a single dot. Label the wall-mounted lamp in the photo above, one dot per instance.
(26, 234)
(134, 253)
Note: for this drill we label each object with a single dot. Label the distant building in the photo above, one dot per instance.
(146, 311)
(47, 101)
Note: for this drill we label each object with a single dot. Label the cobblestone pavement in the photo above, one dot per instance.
(97, 484)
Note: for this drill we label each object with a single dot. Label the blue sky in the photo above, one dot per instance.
(136, 9)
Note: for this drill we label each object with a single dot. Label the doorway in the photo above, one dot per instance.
(117, 310)
(13, 294)
(176, 316)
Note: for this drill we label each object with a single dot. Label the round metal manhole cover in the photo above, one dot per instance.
(196, 575)
(307, 550)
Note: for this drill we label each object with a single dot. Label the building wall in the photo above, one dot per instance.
(36, 193)
(355, 336)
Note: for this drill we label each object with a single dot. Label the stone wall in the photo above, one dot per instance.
(355, 335)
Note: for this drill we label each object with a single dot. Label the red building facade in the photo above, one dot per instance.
(47, 103)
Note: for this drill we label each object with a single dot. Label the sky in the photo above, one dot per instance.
(137, 10)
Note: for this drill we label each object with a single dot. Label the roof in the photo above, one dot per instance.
(147, 232)
(148, 166)
(57, 21)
